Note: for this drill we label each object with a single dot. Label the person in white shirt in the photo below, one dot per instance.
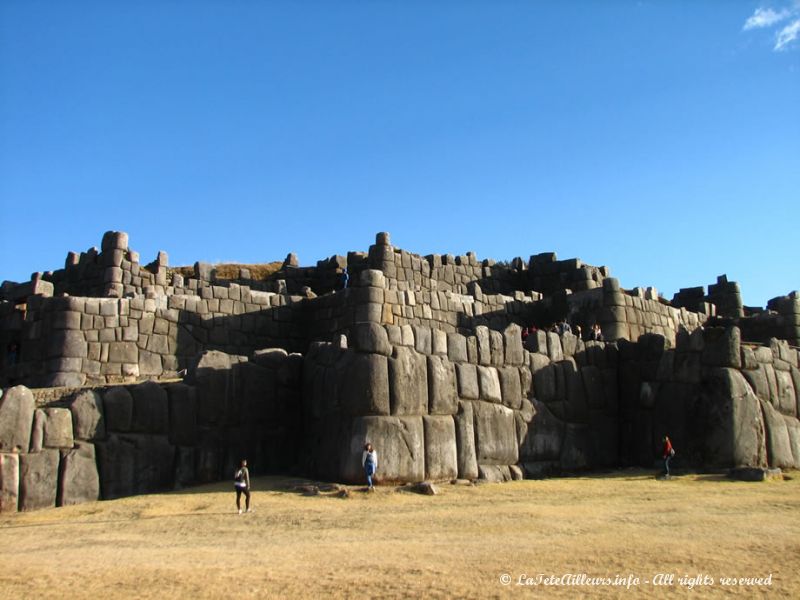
(369, 460)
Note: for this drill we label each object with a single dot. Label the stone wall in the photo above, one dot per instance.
(445, 405)
(624, 314)
(724, 403)
(72, 341)
(109, 442)
(781, 320)
(543, 273)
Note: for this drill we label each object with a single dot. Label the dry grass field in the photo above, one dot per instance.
(393, 544)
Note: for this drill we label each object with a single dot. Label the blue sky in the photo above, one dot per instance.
(659, 138)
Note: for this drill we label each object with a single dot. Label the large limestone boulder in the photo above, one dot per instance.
(371, 337)
(498, 350)
(722, 347)
(577, 451)
(545, 436)
(442, 391)
(37, 432)
(495, 434)
(779, 445)
(185, 468)
(88, 420)
(548, 383)
(154, 463)
(456, 347)
(399, 442)
(494, 473)
(734, 426)
(793, 429)
(79, 481)
(484, 345)
(182, 415)
(467, 376)
(408, 382)
(441, 460)
(116, 466)
(489, 384)
(510, 387)
(118, 409)
(512, 338)
(16, 419)
(57, 428)
(604, 436)
(211, 379)
(38, 480)
(9, 482)
(594, 386)
(150, 408)
(575, 396)
(365, 385)
(786, 396)
(465, 442)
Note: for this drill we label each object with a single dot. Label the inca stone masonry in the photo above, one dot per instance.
(123, 378)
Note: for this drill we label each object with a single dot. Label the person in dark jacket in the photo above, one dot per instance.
(241, 483)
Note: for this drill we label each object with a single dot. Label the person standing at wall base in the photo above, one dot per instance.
(369, 460)
(667, 453)
(242, 485)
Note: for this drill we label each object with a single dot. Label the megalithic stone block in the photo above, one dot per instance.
(441, 456)
(58, 428)
(118, 409)
(442, 391)
(116, 467)
(495, 434)
(9, 482)
(408, 382)
(38, 475)
(399, 442)
(88, 421)
(465, 442)
(365, 389)
(150, 408)
(79, 481)
(16, 419)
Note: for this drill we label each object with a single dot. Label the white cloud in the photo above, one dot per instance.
(769, 18)
(787, 35)
(764, 17)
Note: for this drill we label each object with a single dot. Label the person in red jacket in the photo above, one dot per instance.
(668, 453)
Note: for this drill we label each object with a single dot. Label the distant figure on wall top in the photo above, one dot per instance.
(345, 278)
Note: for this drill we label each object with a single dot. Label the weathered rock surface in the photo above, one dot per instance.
(150, 408)
(79, 481)
(399, 442)
(88, 421)
(38, 480)
(441, 461)
(9, 482)
(465, 442)
(408, 382)
(442, 390)
(495, 434)
(118, 409)
(16, 419)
